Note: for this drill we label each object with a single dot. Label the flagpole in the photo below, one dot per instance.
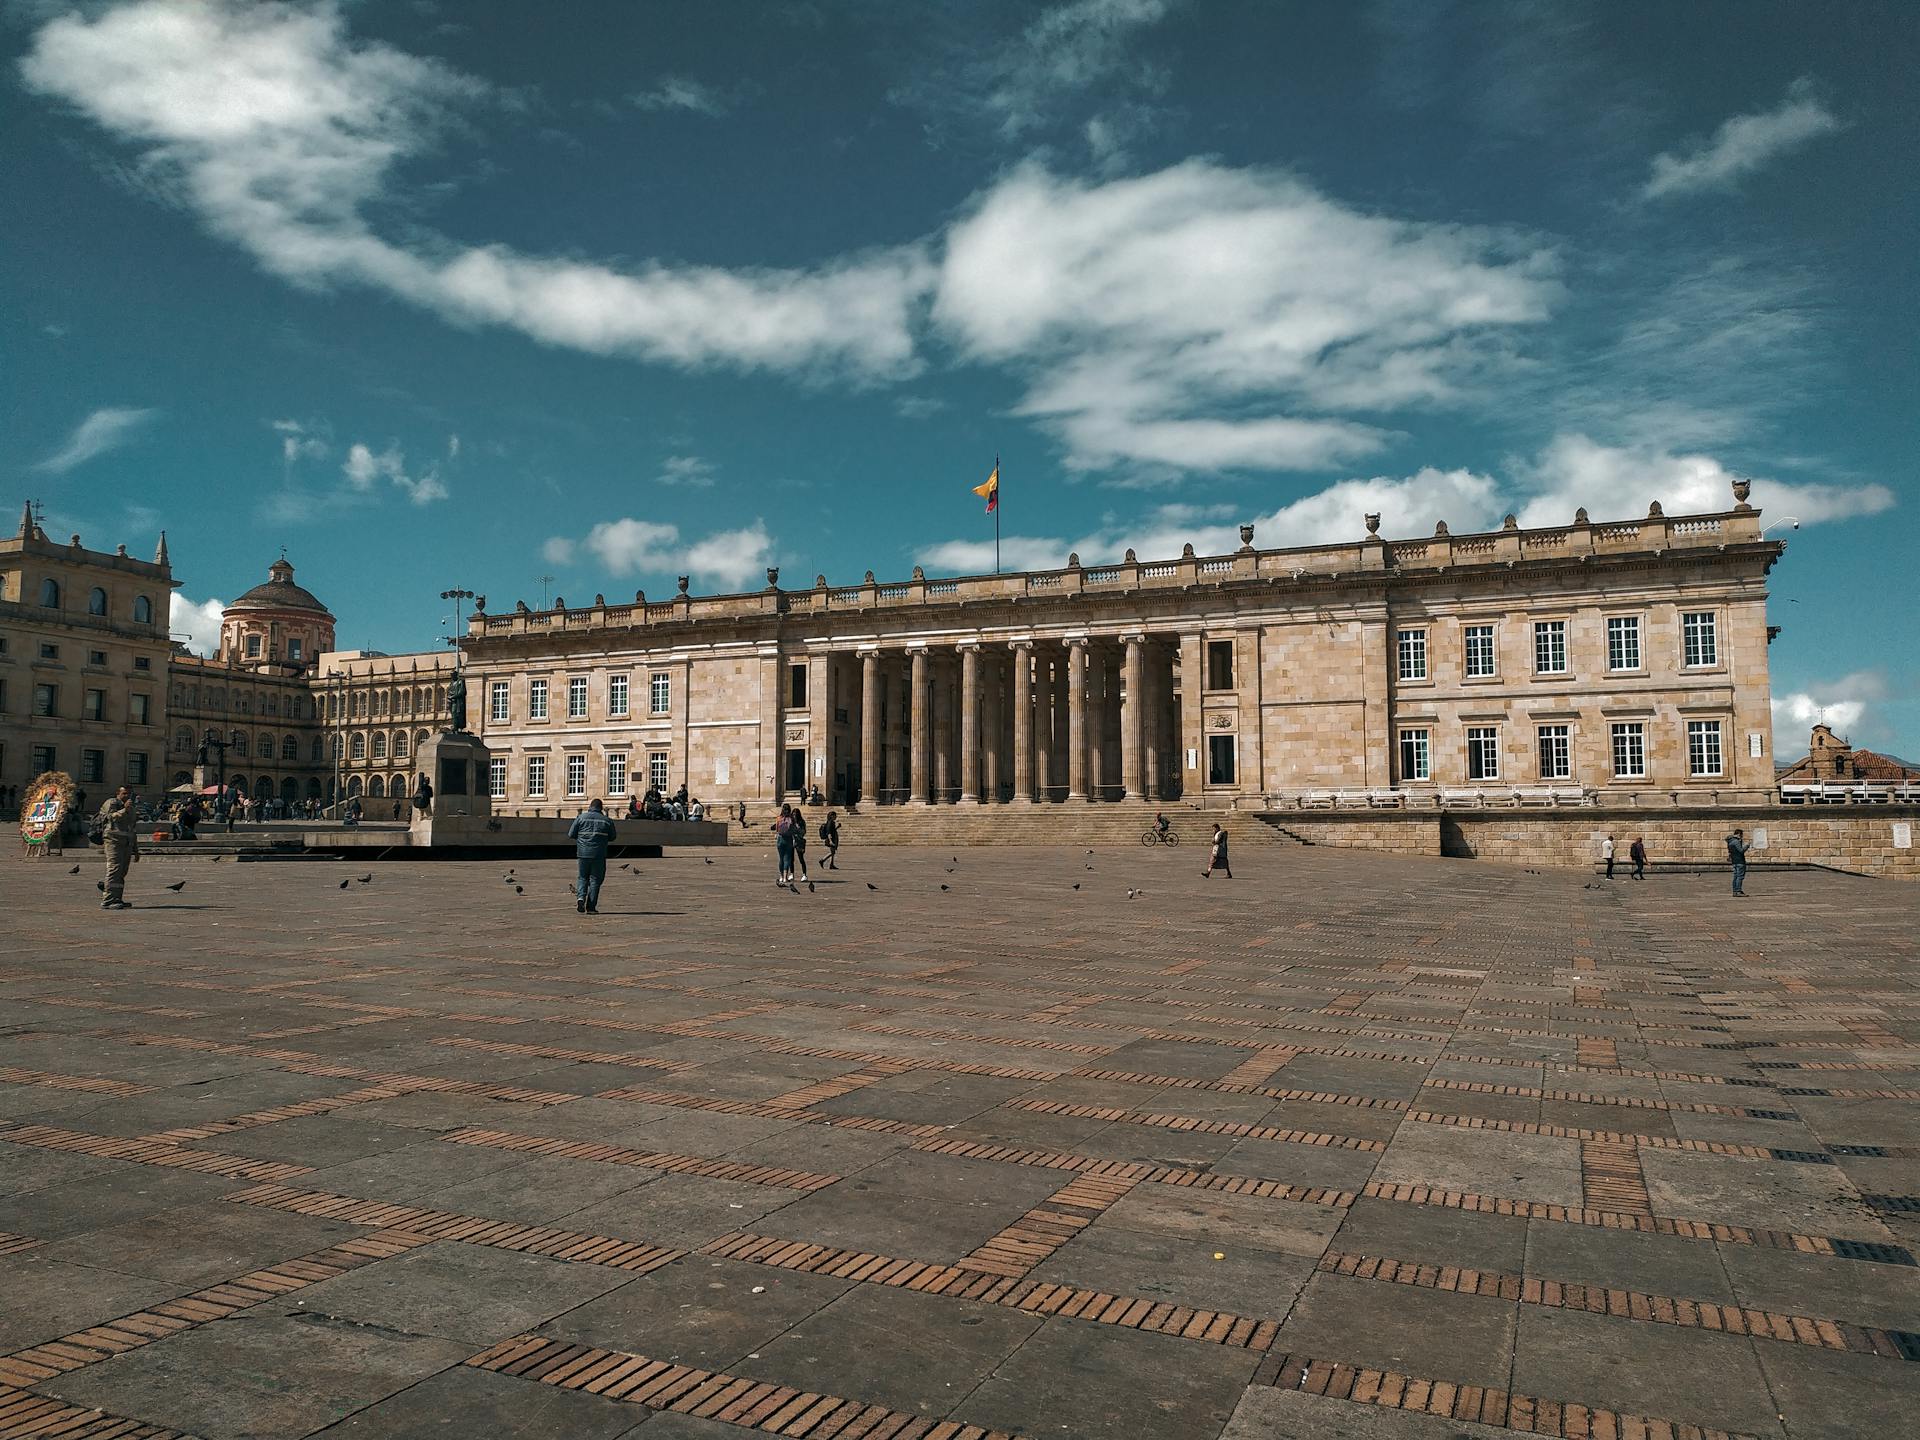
(996, 517)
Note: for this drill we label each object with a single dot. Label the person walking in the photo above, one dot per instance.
(1217, 855)
(1638, 853)
(783, 844)
(800, 842)
(591, 832)
(1737, 857)
(830, 837)
(120, 818)
(1606, 854)
(741, 814)
(422, 796)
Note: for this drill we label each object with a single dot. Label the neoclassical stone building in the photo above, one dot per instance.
(1614, 661)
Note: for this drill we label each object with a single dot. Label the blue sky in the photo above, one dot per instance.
(444, 295)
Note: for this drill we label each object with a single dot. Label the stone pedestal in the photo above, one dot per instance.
(456, 763)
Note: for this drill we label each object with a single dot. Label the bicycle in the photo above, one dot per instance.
(1154, 835)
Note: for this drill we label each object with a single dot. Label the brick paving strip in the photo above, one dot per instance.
(202, 1307)
(149, 1152)
(12, 1076)
(708, 1394)
(771, 1175)
(1232, 1128)
(767, 1110)
(1611, 1178)
(24, 1414)
(11, 1244)
(1821, 1333)
(1044, 1229)
(1530, 1414)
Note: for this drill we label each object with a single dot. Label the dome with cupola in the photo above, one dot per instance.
(278, 625)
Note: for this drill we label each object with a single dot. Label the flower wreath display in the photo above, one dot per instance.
(44, 809)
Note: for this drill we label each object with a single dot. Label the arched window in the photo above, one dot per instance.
(290, 748)
(419, 738)
(399, 744)
(359, 704)
(238, 746)
(96, 601)
(358, 749)
(379, 744)
(183, 741)
(142, 610)
(263, 788)
(353, 785)
(376, 788)
(320, 749)
(379, 702)
(50, 594)
(264, 749)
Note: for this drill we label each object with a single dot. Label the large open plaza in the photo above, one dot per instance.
(1036, 1142)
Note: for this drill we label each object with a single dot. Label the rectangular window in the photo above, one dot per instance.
(617, 695)
(537, 700)
(1703, 748)
(1416, 756)
(43, 759)
(142, 662)
(93, 766)
(657, 770)
(95, 707)
(46, 699)
(253, 644)
(141, 708)
(1483, 752)
(1701, 640)
(536, 777)
(1413, 654)
(1556, 752)
(616, 774)
(1629, 750)
(136, 767)
(295, 649)
(660, 690)
(797, 687)
(96, 657)
(1479, 641)
(1220, 665)
(577, 698)
(498, 698)
(497, 777)
(1220, 759)
(576, 776)
(1623, 642)
(49, 651)
(1550, 647)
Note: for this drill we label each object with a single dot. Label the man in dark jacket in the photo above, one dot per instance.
(1737, 858)
(592, 832)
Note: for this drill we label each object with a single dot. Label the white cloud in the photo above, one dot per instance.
(1069, 48)
(298, 442)
(364, 470)
(677, 92)
(103, 430)
(453, 447)
(198, 625)
(282, 132)
(731, 559)
(1203, 318)
(1840, 705)
(1742, 144)
(687, 470)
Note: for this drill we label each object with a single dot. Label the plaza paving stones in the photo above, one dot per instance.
(1357, 1146)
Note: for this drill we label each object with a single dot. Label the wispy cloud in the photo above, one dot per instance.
(678, 92)
(1743, 144)
(690, 471)
(198, 624)
(292, 164)
(729, 558)
(103, 430)
(299, 441)
(364, 469)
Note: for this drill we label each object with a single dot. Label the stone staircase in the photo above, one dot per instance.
(1099, 825)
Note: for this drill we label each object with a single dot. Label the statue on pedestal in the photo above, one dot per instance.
(457, 703)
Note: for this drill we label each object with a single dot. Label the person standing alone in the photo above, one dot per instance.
(120, 836)
(1217, 855)
(1737, 857)
(1606, 854)
(592, 832)
(830, 837)
(1637, 852)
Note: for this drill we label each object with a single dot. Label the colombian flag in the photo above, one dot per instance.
(990, 490)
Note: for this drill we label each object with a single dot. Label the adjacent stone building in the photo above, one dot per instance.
(1589, 661)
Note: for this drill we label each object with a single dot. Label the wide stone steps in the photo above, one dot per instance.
(1101, 825)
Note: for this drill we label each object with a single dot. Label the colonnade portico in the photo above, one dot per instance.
(1023, 721)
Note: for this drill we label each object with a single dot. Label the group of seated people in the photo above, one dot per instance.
(655, 806)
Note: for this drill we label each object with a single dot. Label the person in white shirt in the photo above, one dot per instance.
(1606, 854)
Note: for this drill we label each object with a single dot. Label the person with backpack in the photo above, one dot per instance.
(800, 842)
(1217, 855)
(591, 832)
(783, 845)
(117, 826)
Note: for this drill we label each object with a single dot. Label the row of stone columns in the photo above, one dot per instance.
(1030, 717)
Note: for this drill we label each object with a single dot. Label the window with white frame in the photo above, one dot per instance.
(1556, 752)
(1623, 642)
(497, 777)
(576, 776)
(1700, 638)
(616, 774)
(661, 693)
(537, 700)
(657, 770)
(617, 695)
(498, 699)
(1549, 647)
(1483, 752)
(1704, 755)
(1416, 755)
(1479, 648)
(1629, 750)
(536, 777)
(1413, 654)
(577, 698)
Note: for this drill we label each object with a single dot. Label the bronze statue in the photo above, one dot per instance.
(457, 703)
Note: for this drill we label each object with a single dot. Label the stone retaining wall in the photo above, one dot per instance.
(1402, 833)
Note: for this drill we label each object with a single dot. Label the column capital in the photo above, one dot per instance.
(1024, 643)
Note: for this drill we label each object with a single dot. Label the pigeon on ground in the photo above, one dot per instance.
(946, 887)
(177, 886)
(571, 890)
(951, 868)
(1076, 884)
(345, 883)
(810, 889)
(74, 871)
(1132, 893)
(101, 886)
(1089, 865)
(708, 859)
(870, 885)
(217, 859)
(519, 889)
(366, 879)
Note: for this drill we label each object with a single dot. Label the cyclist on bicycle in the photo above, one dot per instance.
(1161, 823)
